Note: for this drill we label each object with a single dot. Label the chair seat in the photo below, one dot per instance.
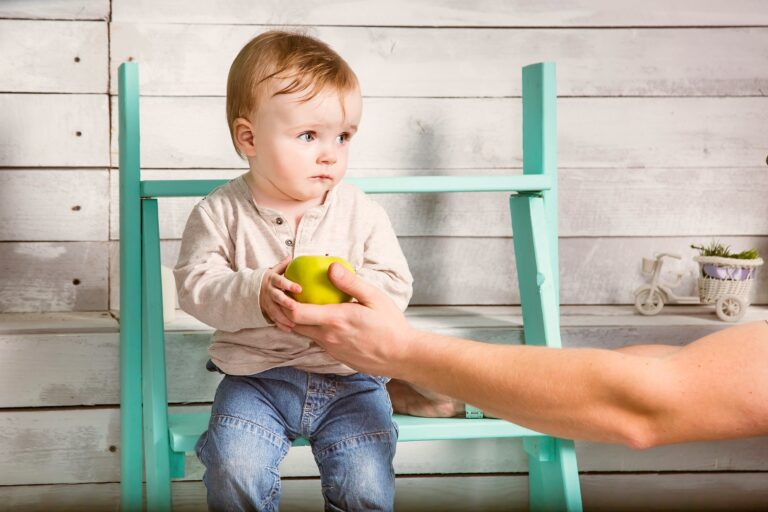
(185, 429)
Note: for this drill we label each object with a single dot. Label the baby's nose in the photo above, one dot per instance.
(327, 156)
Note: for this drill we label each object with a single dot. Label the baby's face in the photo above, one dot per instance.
(301, 147)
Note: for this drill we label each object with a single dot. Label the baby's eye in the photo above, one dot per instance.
(341, 139)
(307, 136)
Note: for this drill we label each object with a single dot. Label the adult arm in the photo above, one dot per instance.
(716, 387)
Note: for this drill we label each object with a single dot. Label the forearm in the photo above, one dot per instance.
(587, 394)
(221, 298)
(713, 388)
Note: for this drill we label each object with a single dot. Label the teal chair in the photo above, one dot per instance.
(167, 438)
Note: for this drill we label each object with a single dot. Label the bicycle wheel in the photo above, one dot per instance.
(730, 308)
(649, 302)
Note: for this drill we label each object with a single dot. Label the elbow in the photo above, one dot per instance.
(639, 434)
(649, 409)
(404, 295)
(186, 301)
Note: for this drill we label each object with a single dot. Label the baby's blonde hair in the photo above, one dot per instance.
(308, 63)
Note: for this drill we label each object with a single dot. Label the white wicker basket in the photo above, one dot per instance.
(649, 265)
(735, 277)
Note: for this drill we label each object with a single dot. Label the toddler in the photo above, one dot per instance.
(293, 106)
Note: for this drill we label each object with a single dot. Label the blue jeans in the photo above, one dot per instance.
(347, 420)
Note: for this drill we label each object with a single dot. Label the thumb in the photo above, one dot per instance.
(352, 284)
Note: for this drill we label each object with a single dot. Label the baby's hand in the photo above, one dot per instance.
(272, 297)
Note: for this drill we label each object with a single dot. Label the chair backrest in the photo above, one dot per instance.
(142, 345)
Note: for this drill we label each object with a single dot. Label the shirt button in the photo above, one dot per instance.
(289, 243)
(279, 220)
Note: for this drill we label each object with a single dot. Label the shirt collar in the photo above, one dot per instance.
(246, 190)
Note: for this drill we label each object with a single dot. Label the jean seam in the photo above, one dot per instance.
(202, 447)
(274, 492)
(379, 433)
(280, 442)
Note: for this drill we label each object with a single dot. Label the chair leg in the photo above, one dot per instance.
(553, 475)
(535, 271)
(155, 402)
(553, 472)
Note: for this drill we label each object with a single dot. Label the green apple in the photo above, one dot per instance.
(311, 273)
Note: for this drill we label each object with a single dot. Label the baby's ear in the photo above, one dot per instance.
(242, 130)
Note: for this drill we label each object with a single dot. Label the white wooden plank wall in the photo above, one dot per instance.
(659, 122)
(662, 121)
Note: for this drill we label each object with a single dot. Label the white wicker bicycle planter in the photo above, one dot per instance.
(727, 283)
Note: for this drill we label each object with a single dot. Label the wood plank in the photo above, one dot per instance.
(54, 56)
(74, 445)
(53, 276)
(60, 346)
(59, 446)
(446, 62)
(664, 202)
(71, 369)
(641, 492)
(55, 9)
(46, 126)
(65, 498)
(593, 270)
(57, 322)
(37, 204)
(476, 133)
(486, 13)
(663, 492)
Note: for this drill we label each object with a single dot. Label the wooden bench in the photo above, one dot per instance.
(553, 473)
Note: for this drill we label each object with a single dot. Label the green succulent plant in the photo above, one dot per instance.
(715, 248)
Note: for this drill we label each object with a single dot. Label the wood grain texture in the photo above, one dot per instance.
(74, 446)
(662, 116)
(490, 493)
(53, 276)
(56, 56)
(480, 271)
(477, 133)
(54, 205)
(41, 130)
(484, 13)
(55, 9)
(39, 276)
(76, 354)
(59, 446)
(57, 322)
(659, 202)
(63, 380)
(475, 62)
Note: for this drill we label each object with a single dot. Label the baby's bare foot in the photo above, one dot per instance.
(407, 400)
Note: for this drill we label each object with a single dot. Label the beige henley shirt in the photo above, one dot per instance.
(230, 241)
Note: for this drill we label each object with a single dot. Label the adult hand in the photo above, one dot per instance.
(370, 335)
